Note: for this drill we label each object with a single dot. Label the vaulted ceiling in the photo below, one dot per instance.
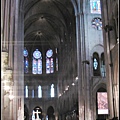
(48, 23)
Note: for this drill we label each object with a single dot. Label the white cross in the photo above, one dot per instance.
(37, 114)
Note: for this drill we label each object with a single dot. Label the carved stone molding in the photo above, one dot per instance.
(9, 74)
(4, 60)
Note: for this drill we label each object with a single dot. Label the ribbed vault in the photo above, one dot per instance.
(48, 22)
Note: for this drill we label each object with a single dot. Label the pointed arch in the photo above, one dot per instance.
(50, 113)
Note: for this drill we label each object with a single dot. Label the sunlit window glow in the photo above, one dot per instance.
(52, 91)
(39, 91)
(49, 62)
(95, 6)
(26, 91)
(32, 93)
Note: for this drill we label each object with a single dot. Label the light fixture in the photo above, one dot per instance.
(117, 40)
(76, 78)
(59, 95)
(66, 88)
(108, 28)
(73, 84)
(41, 18)
(86, 62)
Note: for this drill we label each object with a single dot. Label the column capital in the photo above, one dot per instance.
(8, 74)
(80, 13)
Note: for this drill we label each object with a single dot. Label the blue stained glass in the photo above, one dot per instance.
(37, 54)
(97, 23)
(49, 53)
(95, 6)
(37, 62)
(95, 64)
(25, 53)
(26, 65)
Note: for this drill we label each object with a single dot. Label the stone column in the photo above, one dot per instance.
(6, 106)
(108, 59)
(4, 64)
(45, 91)
(11, 38)
(29, 91)
(2, 100)
(36, 91)
(56, 116)
(6, 25)
(116, 100)
(9, 78)
(11, 109)
(15, 64)
(79, 66)
(2, 23)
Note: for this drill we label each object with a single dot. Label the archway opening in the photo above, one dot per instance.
(101, 104)
(50, 113)
(26, 112)
(37, 113)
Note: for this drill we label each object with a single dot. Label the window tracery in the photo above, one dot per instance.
(37, 62)
(97, 23)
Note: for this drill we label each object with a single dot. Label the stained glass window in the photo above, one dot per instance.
(49, 62)
(95, 6)
(96, 66)
(95, 63)
(56, 60)
(56, 64)
(103, 71)
(25, 54)
(26, 91)
(39, 91)
(52, 90)
(97, 23)
(37, 62)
